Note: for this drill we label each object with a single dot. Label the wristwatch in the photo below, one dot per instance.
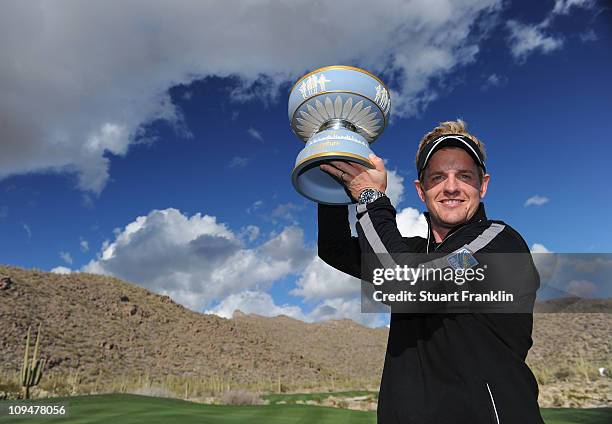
(368, 195)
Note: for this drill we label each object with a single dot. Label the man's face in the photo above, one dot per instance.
(451, 187)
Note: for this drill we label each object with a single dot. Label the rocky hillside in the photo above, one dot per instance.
(94, 323)
(104, 326)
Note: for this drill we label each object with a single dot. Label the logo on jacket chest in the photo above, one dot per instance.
(462, 259)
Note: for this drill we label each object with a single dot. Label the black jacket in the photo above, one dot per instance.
(441, 368)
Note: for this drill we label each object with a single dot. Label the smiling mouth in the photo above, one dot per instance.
(451, 203)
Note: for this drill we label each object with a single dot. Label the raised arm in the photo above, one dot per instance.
(381, 220)
(336, 246)
(378, 232)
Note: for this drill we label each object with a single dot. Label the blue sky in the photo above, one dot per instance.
(190, 120)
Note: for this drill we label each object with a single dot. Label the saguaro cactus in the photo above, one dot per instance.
(32, 370)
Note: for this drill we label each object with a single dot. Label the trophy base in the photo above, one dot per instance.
(319, 186)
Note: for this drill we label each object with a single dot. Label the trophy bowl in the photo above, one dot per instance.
(338, 111)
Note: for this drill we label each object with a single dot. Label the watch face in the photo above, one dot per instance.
(367, 196)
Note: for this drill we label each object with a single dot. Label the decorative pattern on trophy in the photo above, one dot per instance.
(338, 111)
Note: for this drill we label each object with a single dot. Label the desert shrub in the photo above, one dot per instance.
(9, 388)
(240, 397)
(544, 375)
(563, 373)
(342, 403)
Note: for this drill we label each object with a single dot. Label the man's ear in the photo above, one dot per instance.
(419, 189)
(484, 185)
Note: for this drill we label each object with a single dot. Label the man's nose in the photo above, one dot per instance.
(451, 184)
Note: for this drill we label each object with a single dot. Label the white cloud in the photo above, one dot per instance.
(251, 232)
(285, 211)
(562, 7)
(546, 262)
(339, 308)
(528, 38)
(525, 39)
(84, 245)
(336, 295)
(200, 262)
(197, 260)
(494, 80)
(27, 229)
(66, 257)
(255, 134)
(61, 270)
(254, 302)
(411, 223)
(320, 281)
(536, 201)
(589, 35)
(75, 91)
(395, 187)
(261, 303)
(254, 207)
(238, 162)
(539, 248)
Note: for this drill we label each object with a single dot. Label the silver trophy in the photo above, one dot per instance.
(338, 111)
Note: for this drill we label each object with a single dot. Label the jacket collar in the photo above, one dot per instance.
(478, 216)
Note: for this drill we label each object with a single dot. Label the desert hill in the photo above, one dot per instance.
(106, 328)
(95, 323)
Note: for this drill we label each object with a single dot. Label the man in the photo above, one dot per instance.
(439, 368)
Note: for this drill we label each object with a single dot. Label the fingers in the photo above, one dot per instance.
(345, 166)
(329, 169)
(378, 163)
(359, 167)
(335, 167)
(335, 172)
(354, 168)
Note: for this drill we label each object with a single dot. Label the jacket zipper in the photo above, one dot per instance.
(442, 242)
(493, 403)
(445, 238)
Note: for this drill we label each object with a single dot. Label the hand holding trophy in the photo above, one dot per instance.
(338, 111)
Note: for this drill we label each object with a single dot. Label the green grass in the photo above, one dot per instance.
(133, 409)
(293, 397)
(572, 416)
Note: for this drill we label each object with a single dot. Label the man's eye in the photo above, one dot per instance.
(466, 177)
(436, 178)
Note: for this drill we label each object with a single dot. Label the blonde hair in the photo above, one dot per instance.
(451, 127)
